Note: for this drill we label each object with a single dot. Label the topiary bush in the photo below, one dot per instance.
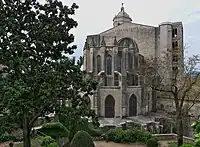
(82, 139)
(130, 135)
(153, 142)
(54, 129)
(47, 141)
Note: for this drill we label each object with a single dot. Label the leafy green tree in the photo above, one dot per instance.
(34, 39)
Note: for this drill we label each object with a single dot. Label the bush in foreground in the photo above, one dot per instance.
(129, 135)
(153, 142)
(82, 139)
(47, 141)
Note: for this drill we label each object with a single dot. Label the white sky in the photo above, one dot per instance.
(95, 16)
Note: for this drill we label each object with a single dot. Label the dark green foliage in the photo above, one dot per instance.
(174, 144)
(55, 129)
(188, 145)
(71, 119)
(107, 128)
(47, 141)
(142, 136)
(94, 132)
(129, 135)
(153, 142)
(197, 127)
(132, 125)
(6, 137)
(82, 139)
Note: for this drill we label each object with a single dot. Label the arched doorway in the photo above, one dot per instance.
(133, 105)
(109, 107)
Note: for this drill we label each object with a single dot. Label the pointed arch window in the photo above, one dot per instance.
(109, 65)
(136, 61)
(132, 80)
(98, 63)
(119, 61)
(116, 79)
(130, 60)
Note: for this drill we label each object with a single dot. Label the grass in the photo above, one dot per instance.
(174, 144)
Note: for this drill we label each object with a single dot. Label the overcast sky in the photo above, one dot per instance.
(95, 16)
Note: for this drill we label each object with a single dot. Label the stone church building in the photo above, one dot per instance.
(115, 58)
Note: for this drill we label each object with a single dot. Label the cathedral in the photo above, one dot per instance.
(115, 58)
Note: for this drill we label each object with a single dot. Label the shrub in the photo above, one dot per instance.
(47, 141)
(120, 135)
(107, 128)
(142, 136)
(153, 142)
(6, 137)
(187, 145)
(94, 132)
(82, 139)
(55, 129)
(197, 128)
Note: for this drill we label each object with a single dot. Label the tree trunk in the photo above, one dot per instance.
(179, 122)
(26, 131)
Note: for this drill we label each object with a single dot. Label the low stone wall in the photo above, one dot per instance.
(172, 136)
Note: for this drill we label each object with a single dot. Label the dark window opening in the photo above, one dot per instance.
(132, 80)
(98, 63)
(119, 61)
(174, 32)
(175, 45)
(130, 61)
(175, 58)
(109, 65)
(116, 79)
(136, 61)
(175, 69)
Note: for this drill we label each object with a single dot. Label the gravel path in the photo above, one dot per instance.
(112, 144)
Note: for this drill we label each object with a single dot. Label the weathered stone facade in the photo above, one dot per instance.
(115, 58)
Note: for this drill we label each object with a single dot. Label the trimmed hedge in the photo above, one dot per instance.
(82, 139)
(55, 129)
(129, 135)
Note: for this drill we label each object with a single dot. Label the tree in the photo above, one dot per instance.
(179, 82)
(34, 39)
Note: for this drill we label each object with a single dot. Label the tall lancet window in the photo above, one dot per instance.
(130, 60)
(136, 61)
(98, 63)
(119, 61)
(109, 65)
